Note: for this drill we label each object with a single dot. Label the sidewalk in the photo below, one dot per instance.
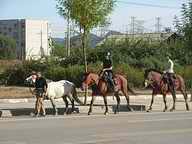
(24, 107)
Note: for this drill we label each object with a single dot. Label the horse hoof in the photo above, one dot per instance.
(171, 110)
(106, 113)
(89, 113)
(165, 110)
(130, 109)
(148, 110)
(116, 112)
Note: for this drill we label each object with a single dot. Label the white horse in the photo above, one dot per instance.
(60, 89)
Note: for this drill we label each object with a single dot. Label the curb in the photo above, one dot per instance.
(26, 100)
(79, 109)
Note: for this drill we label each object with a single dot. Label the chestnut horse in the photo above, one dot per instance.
(154, 79)
(92, 79)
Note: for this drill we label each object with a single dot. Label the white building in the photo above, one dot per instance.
(31, 37)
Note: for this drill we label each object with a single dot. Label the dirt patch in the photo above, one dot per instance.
(14, 92)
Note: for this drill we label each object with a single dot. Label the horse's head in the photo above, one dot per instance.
(89, 79)
(31, 79)
(151, 76)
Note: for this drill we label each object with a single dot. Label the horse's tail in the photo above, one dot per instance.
(131, 90)
(75, 97)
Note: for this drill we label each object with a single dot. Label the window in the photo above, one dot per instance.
(15, 25)
(10, 29)
(22, 44)
(23, 25)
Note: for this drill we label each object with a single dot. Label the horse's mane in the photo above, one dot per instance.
(149, 70)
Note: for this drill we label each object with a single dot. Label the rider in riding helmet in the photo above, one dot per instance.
(169, 73)
(107, 69)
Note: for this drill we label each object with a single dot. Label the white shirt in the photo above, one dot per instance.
(170, 67)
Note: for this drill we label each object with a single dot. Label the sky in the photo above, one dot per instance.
(146, 11)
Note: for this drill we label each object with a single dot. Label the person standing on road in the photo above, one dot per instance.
(40, 90)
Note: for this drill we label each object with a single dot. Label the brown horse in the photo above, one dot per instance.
(92, 79)
(154, 79)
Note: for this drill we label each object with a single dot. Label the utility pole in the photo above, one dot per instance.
(41, 45)
(140, 26)
(158, 25)
(133, 26)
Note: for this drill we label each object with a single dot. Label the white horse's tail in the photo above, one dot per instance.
(74, 95)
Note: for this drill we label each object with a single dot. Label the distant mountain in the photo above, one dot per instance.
(112, 32)
(76, 41)
(59, 40)
(94, 39)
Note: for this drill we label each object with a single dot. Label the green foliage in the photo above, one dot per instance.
(87, 14)
(7, 48)
(58, 50)
(184, 27)
(73, 73)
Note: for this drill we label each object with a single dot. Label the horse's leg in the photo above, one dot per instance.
(105, 102)
(174, 98)
(125, 93)
(72, 103)
(164, 100)
(54, 106)
(152, 100)
(185, 97)
(66, 104)
(91, 105)
(191, 95)
(118, 102)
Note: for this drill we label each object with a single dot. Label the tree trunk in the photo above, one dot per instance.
(84, 45)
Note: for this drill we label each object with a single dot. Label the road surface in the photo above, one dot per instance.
(124, 128)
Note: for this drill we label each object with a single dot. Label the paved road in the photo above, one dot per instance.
(125, 128)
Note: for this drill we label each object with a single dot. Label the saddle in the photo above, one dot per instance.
(169, 81)
(111, 83)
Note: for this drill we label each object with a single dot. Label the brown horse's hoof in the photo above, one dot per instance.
(171, 110)
(89, 113)
(165, 109)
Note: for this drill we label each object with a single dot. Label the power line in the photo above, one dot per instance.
(147, 5)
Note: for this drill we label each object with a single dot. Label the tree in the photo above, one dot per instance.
(87, 14)
(7, 48)
(185, 29)
(187, 21)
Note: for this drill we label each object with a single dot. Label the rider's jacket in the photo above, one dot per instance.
(107, 63)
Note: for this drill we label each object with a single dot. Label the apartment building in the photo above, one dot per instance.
(31, 37)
